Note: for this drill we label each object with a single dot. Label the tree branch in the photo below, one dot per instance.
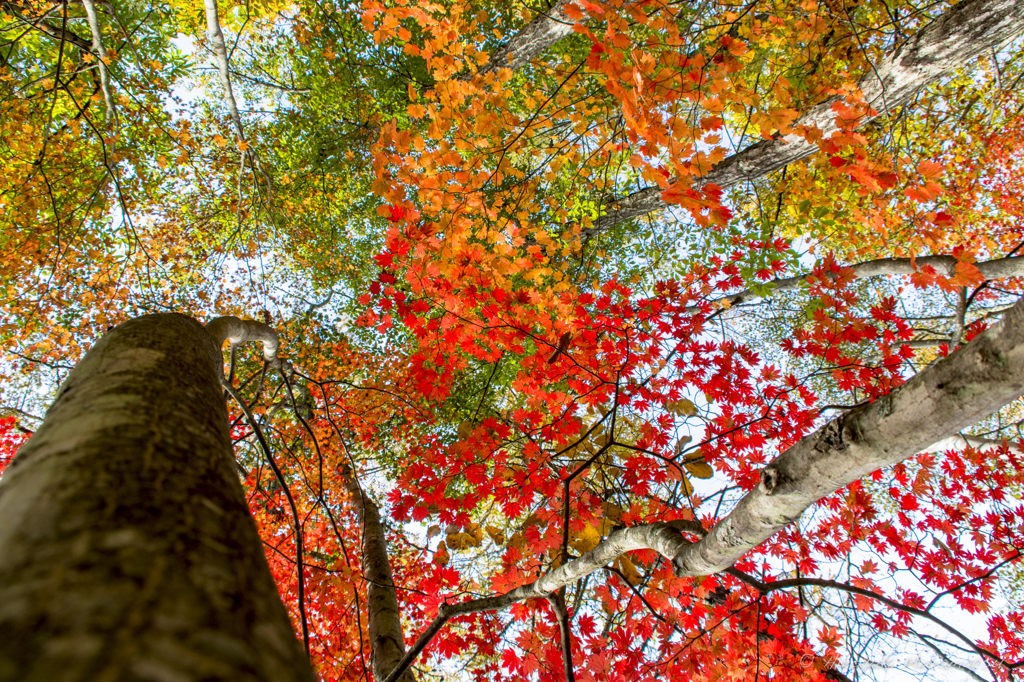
(238, 331)
(1000, 268)
(966, 31)
(765, 588)
(542, 32)
(954, 393)
(299, 566)
(216, 37)
(102, 58)
(557, 601)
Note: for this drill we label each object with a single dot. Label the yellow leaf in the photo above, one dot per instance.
(681, 444)
(700, 469)
(586, 540)
(497, 537)
(612, 512)
(628, 569)
(682, 407)
(462, 541)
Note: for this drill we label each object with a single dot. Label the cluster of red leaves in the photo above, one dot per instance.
(11, 438)
(574, 352)
(837, 334)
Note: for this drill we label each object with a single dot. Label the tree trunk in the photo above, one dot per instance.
(383, 615)
(126, 547)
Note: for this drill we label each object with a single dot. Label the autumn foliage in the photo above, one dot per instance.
(509, 370)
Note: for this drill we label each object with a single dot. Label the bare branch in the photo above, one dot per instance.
(765, 588)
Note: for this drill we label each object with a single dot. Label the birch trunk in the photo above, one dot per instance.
(127, 551)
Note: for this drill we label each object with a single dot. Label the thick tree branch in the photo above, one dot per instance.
(238, 331)
(954, 393)
(544, 31)
(999, 268)
(968, 30)
(960, 441)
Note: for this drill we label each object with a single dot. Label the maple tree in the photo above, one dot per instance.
(621, 334)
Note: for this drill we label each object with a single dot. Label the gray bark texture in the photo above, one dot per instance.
(1000, 268)
(127, 551)
(544, 31)
(966, 31)
(383, 615)
(954, 393)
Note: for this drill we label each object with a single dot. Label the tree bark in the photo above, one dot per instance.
(999, 268)
(383, 615)
(954, 393)
(545, 30)
(966, 31)
(127, 551)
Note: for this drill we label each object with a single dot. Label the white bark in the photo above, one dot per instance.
(1000, 268)
(126, 547)
(238, 331)
(956, 392)
(101, 52)
(968, 30)
(220, 50)
(961, 442)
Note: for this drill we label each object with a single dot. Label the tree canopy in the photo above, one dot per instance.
(624, 339)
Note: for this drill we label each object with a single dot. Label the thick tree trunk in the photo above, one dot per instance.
(126, 547)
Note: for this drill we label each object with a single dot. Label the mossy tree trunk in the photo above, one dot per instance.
(127, 551)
